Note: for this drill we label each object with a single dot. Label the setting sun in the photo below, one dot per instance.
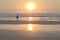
(30, 5)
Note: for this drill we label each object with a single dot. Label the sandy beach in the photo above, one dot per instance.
(25, 35)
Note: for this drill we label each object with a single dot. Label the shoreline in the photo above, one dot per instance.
(28, 22)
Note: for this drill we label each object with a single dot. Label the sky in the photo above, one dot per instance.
(18, 6)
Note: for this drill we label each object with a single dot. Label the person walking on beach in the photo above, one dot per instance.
(17, 17)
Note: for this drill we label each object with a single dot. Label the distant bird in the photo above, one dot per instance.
(17, 17)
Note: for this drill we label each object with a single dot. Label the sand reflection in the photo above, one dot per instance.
(30, 26)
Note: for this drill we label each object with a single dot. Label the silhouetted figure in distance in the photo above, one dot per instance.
(17, 17)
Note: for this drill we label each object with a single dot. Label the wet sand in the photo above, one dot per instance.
(9, 34)
(28, 22)
(29, 35)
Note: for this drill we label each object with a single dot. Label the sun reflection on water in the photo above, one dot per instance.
(30, 27)
(30, 18)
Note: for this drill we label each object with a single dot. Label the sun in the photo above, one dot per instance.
(30, 6)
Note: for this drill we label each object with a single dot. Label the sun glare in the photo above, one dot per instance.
(30, 6)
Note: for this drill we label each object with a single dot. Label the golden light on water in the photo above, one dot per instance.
(30, 27)
(30, 18)
(30, 6)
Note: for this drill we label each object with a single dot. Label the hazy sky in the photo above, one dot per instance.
(42, 6)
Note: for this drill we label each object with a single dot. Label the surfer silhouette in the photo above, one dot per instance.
(17, 17)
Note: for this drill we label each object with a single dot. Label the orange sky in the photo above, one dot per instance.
(42, 6)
